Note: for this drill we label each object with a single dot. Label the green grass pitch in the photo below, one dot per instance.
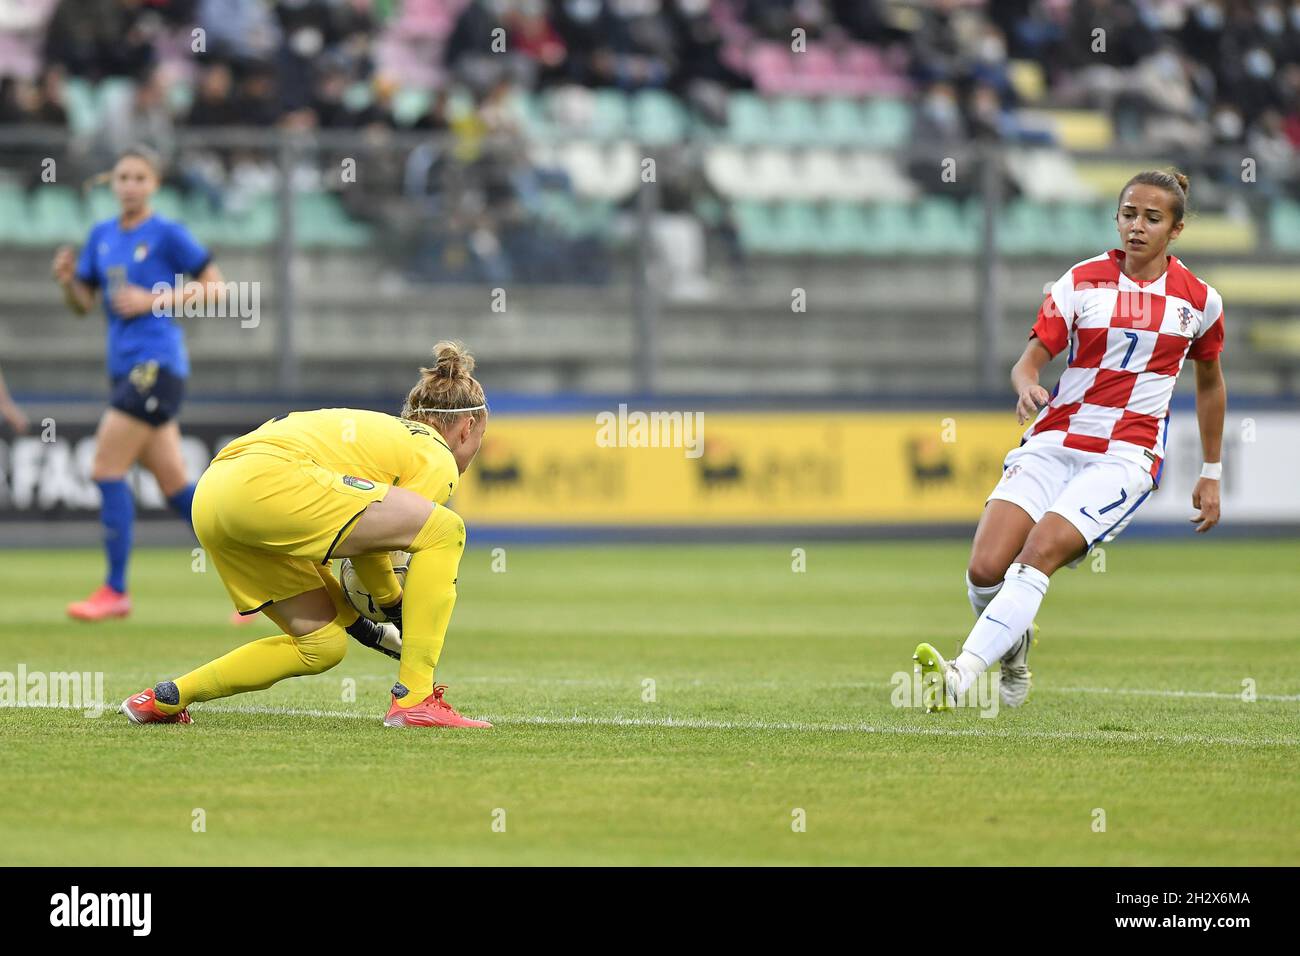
(771, 695)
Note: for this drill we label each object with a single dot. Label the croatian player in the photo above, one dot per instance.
(278, 503)
(125, 258)
(1127, 320)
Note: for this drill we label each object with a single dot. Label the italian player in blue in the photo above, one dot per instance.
(125, 259)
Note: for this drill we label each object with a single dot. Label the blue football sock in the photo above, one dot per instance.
(117, 514)
(183, 503)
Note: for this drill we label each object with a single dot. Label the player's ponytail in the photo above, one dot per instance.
(447, 390)
(1174, 182)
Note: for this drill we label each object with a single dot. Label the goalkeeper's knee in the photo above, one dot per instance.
(442, 530)
(322, 648)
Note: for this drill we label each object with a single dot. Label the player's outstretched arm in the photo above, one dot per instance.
(1211, 405)
(1030, 396)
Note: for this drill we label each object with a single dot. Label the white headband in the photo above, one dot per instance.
(443, 411)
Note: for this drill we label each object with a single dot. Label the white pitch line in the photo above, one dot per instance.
(694, 723)
(847, 685)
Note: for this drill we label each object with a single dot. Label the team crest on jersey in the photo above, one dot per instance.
(1185, 320)
(361, 484)
(141, 250)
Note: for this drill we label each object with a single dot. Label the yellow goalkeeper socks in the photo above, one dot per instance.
(259, 664)
(429, 599)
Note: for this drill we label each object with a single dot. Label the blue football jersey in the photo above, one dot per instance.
(157, 250)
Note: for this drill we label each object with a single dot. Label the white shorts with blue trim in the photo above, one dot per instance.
(1098, 494)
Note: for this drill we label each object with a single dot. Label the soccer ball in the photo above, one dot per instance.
(356, 592)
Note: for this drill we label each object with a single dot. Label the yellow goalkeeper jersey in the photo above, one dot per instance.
(361, 444)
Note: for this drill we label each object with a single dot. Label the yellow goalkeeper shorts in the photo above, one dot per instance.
(266, 519)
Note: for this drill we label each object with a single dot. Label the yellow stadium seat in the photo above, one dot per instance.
(1082, 129)
(1255, 285)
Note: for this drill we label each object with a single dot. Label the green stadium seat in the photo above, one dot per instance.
(887, 123)
(610, 115)
(1284, 226)
(1025, 227)
(748, 121)
(942, 226)
(794, 122)
(321, 221)
(658, 118)
(180, 97)
(101, 204)
(55, 214)
(80, 98)
(533, 112)
(756, 227)
(798, 227)
(889, 228)
(845, 229)
(358, 96)
(409, 105)
(842, 122)
(13, 213)
(167, 203)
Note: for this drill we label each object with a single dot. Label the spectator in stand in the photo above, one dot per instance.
(98, 38)
(239, 29)
(23, 26)
(142, 117)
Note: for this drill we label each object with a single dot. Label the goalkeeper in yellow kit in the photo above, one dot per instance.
(276, 505)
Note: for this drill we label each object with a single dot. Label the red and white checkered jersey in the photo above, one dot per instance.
(1127, 342)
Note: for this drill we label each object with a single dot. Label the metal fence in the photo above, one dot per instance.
(594, 265)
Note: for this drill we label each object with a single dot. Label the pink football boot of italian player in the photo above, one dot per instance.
(104, 603)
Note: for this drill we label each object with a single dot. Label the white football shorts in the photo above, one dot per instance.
(1098, 494)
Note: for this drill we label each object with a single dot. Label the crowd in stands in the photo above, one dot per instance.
(1186, 74)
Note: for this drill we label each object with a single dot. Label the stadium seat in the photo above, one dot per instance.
(54, 214)
(1217, 234)
(1108, 177)
(798, 228)
(658, 118)
(610, 116)
(726, 168)
(1082, 129)
(843, 122)
(1026, 227)
(409, 104)
(876, 176)
(748, 122)
(604, 172)
(13, 213)
(845, 229)
(1256, 285)
(888, 122)
(320, 221)
(1284, 226)
(1049, 175)
(80, 100)
(941, 226)
(793, 122)
(756, 227)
